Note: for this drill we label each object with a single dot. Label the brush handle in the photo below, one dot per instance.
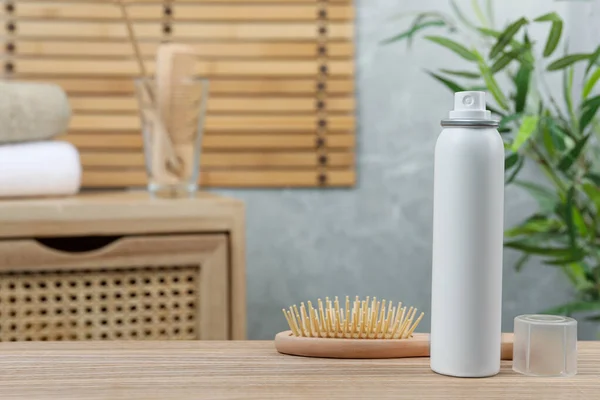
(416, 346)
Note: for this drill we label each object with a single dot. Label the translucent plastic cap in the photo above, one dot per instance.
(545, 345)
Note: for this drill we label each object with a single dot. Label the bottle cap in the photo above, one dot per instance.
(545, 345)
(470, 105)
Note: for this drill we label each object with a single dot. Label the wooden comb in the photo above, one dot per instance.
(178, 98)
(362, 329)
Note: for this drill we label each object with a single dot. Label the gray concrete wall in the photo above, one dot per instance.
(375, 239)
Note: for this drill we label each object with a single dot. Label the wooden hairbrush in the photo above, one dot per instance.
(363, 329)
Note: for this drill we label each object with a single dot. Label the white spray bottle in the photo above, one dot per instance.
(468, 219)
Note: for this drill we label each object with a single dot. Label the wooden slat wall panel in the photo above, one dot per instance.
(217, 105)
(291, 87)
(185, 12)
(226, 2)
(217, 123)
(248, 178)
(224, 160)
(296, 50)
(181, 31)
(281, 107)
(128, 68)
(233, 142)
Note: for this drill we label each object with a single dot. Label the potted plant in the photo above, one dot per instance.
(556, 132)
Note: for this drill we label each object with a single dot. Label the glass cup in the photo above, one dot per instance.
(172, 129)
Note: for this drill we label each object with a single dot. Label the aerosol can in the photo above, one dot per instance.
(468, 219)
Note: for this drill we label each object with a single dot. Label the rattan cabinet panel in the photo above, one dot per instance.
(122, 267)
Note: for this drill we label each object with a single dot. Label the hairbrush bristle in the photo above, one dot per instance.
(364, 319)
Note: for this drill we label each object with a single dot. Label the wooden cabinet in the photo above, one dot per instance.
(118, 266)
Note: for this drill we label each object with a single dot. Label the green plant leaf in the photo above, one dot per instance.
(568, 216)
(593, 60)
(493, 87)
(569, 143)
(454, 46)
(558, 135)
(510, 161)
(573, 307)
(568, 93)
(580, 222)
(412, 30)
(522, 261)
(593, 177)
(567, 61)
(489, 32)
(515, 171)
(592, 191)
(478, 12)
(506, 36)
(555, 31)
(553, 38)
(579, 274)
(590, 83)
(552, 17)
(525, 54)
(580, 271)
(515, 44)
(587, 117)
(502, 61)
(505, 121)
(490, 82)
(547, 138)
(572, 155)
(548, 143)
(453, 86)
(527, 128)
(527, 247)
(522, 83)
(576, 256)
(592, 102)
(589, 109)
(462, 74)
(477, 88)
(461, 16)
(534, 225)
(547, 200)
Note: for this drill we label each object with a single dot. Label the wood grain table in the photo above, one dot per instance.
(254, 370)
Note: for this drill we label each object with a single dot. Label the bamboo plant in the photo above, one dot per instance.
(556, 132)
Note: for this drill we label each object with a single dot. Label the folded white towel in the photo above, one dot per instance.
(39, 169)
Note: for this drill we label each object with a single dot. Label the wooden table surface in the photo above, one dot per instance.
(254, 370)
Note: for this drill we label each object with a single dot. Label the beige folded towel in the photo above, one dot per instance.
(32, 111)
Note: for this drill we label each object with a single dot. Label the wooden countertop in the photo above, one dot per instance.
(254, 370)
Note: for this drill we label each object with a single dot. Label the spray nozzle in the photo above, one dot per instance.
(470, 105)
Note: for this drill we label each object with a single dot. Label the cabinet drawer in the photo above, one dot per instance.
(134, 287)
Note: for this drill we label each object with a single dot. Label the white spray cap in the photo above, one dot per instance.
(470, 105)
